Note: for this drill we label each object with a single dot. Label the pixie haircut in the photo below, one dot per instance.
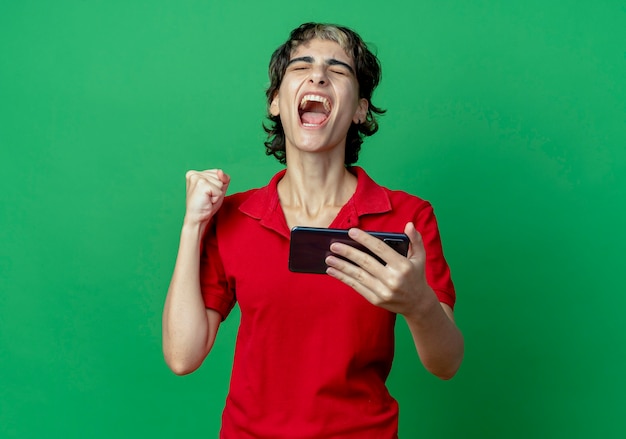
(368, 75)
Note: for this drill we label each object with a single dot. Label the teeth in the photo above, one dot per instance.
(315, 98)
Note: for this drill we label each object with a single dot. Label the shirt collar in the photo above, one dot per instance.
(369, 198)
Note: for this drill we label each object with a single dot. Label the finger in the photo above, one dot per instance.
(360, 258)
(207, 173)
(194, 178)
(347, 273)
(215, 178)
(416, 248)
(375, 245)
(215, 192)
(218, 182)
(349, 269)
(224, 178)
(213, 175)
(207, 183)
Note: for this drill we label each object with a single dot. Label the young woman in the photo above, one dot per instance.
(313, 352)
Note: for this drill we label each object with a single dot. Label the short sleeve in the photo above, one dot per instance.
(216, 293)
(437, 269)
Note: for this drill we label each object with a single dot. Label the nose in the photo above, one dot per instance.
(318, 76)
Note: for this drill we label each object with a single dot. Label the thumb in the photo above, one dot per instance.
(416, 249)
(224, 178)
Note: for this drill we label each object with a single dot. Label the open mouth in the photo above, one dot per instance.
(314, 110)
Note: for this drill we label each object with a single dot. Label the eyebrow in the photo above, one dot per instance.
(330, 62)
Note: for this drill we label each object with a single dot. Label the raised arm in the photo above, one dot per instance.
(189, 329)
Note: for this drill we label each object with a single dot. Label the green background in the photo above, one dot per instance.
(509, 116)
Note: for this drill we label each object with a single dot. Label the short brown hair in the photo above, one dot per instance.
(368, 75)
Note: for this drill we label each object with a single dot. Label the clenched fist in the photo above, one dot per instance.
(205, 194)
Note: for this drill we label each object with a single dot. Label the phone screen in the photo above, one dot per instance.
(310, 246)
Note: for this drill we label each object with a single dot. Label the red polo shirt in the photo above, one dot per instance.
(312, 355)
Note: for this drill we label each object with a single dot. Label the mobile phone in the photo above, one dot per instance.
(310, 246)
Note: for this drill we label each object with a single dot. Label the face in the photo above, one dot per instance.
(318, 98)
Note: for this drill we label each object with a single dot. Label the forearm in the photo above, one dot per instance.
(438, 340)
(187, 332)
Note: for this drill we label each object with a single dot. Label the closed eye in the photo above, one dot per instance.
(299, 67)
(340, 67)
(301, 63)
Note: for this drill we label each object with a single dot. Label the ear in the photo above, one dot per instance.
(274, 108)
(361, 111)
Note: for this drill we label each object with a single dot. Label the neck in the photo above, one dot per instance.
(313, 193)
